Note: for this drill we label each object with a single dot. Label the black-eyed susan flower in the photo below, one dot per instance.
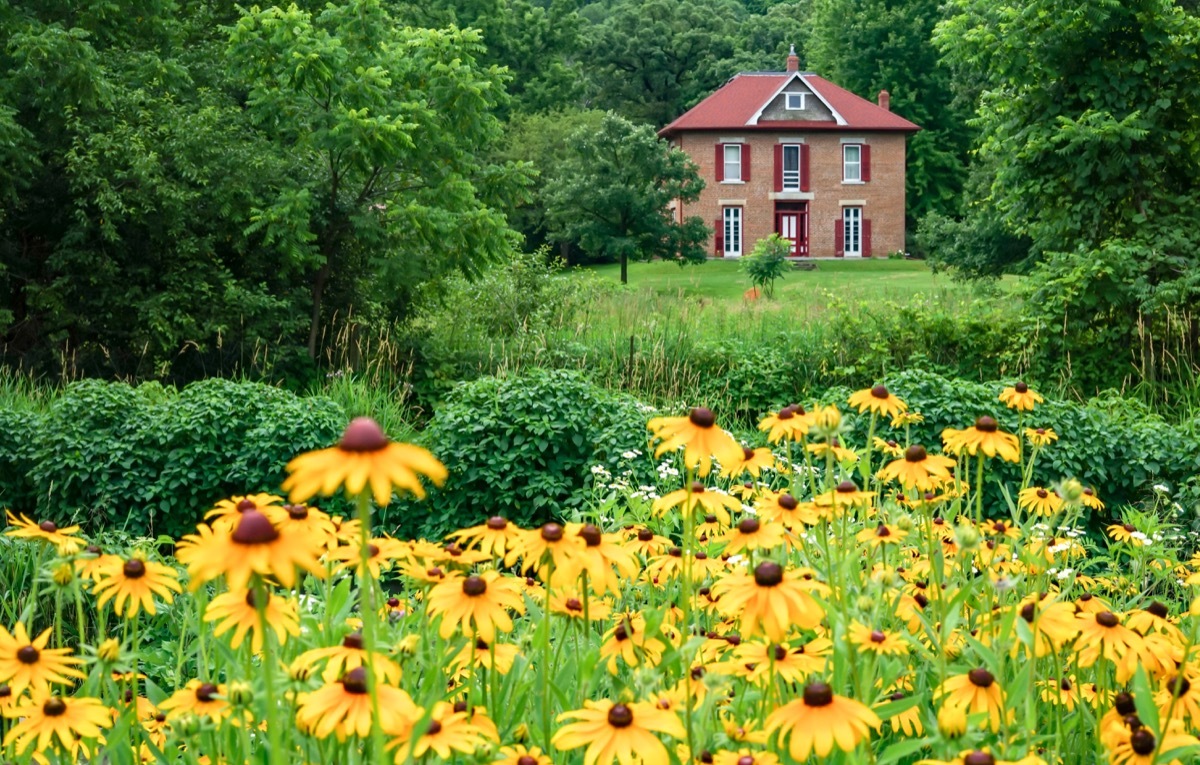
(752, 461)
(1155, 617)
(550, 545)
(1039, 501)
(971, 693)
(518, 754)
(790, 423)
(1089, 499)
(1040, 437)
(888, 447)
(304, 519)
(569, 602)
(1181, 695)
(1020, 398)
(449, 732)
(1127, 533)
(494, 657)
(699, 437)
(65, 540)
(343, 708)
(907, 721)
(820, 720)
(621, 732)
(983, 437)
(237, 611)
(1101, 634)
(225, 514)
(645, 542)
(783, 508)
(26, 663)
(752, 534)
(197, 698)
(477, 604)
(382, 553)
(349, 655)
(1051, 622)
(879, 401)
(1139, 746)
(771, 600)
(1063, 692)
(833, 447)
(628, 642)
(494, 537)
(877, 641)
(744, 756)
(845, 494)
(882, 535)
(132, 584)
(50, 721)
(603, 558)
(710, 501)
(254, 546)
(363, 457)
(918, 469)
(763, 662)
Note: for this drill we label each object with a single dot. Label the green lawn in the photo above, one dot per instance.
(723, 279)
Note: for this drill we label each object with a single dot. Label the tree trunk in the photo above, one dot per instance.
(624, 268)
(318, 290)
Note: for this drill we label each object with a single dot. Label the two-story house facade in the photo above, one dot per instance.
(793, 154)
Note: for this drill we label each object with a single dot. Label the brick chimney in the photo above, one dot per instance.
(793, 61)
(885, 100)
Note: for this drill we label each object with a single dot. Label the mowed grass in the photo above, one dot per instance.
(724, 280)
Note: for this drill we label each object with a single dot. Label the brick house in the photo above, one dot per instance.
(793, 154)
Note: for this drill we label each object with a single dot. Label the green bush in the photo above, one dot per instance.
(768, 262)
(151, 461)
(521, 447)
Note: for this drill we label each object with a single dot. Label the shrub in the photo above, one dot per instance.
(767, 262)
(521, 447)
(151, 461)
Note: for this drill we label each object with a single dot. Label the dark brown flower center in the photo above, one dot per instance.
(354, 641)
(474, 586)
(781, 652)
(1158, 609)
(877, 636)
(393, 602)
(54, 707)
(5, 692)
(1142, 742)
(134, 569)
(574, 604)
(1065, 684)
(847, 487)
(747, 453)
(1123, 703)
(788, 502)
(1042, 493)
(28, 655)
(697, 487)
(355, 681)
(915, 453)
(363, 435)
(206, 692)
(1028, 612)
(879, 391)
(254, 528)
(1107, 619)
(621, 716)
(48, 527)
(882, 531)
(92, 550)
(701, 555)
(979, 758)
(620, 633)
(981, 678)
(591, 535)
(1129, 528)
(645, 535)
(297, 512)
(897, 696)
(246, 504)
(768, 574)
(818, 695)
(986, 424)
(745, 760)
(710, 518)
(1179, 686)
(786, 413)
(675, 552)
(480, 645)
(526, 760)
(434, 573)
(496, 523)
(748, 525)
(702, 417)
(552, 532)
(252, 599)
(434, 728)
(1021, 388)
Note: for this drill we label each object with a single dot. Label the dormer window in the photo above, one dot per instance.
(794, 101)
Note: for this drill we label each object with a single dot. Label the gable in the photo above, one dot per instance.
(813, 109)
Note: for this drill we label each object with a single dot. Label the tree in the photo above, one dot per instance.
(871, 45)
(768, 262)
(614, 192)
(386, 127)
(655, 59)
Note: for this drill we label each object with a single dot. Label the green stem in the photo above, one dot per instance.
(366, 594)
(274, 730)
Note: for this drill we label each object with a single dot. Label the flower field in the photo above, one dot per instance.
(804, 599)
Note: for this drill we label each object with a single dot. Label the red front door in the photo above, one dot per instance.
(793, 226)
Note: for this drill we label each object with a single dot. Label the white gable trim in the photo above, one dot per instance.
(796, 76)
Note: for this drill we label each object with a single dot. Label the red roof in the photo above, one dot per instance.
(738, 102)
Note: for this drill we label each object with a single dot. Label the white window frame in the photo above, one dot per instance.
(791, 179)
(856, 164)
(852, 232)
(787, 101)
(732, 222)
(727, 176)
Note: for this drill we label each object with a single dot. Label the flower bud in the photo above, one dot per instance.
(109, 651)
(967, 537)
(241, 693)
(1071, 491)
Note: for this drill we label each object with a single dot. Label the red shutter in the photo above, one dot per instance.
(804, 167)
(779, 167)
(866, 163)
(719, 237)
(866, 238)
(746, 162)
(720, 162)
(839, 236)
